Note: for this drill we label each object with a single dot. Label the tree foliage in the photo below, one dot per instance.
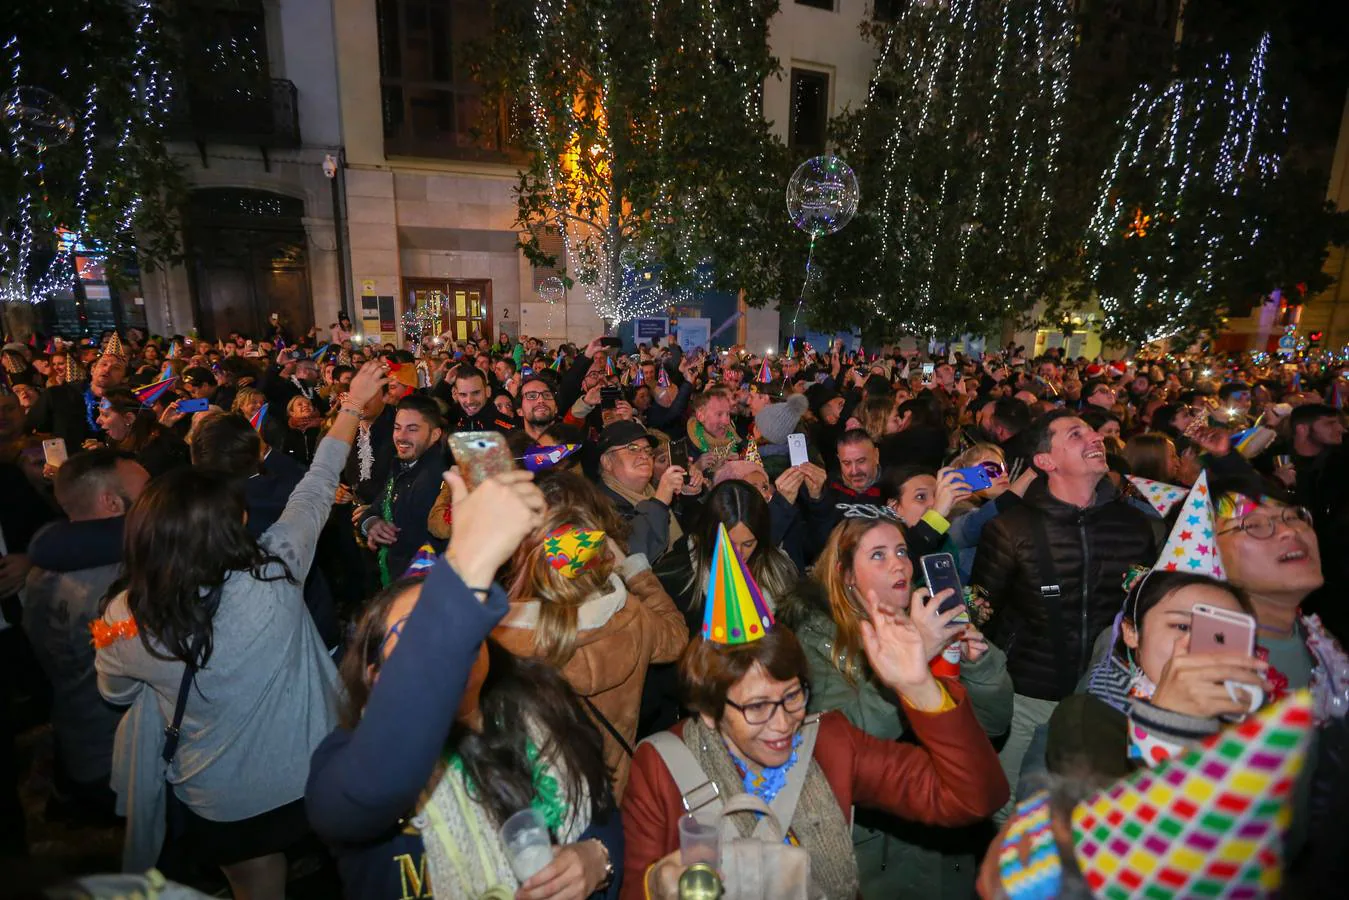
(647, 145)
(112, 182)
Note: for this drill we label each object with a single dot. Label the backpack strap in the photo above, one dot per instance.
(699, 794)
(784, 804)
(1051, 595)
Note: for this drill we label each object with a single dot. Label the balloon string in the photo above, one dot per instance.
(810, 270)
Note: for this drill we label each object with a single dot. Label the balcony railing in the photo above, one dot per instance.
(264, 116)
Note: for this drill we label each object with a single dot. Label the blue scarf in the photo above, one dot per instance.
(769, 782)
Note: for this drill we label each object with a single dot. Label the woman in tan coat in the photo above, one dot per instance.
(579, 601)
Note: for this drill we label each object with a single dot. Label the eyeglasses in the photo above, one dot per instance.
(1261, 526)
(761, 711)
(993, 469)
(537, 395)
(639, 449)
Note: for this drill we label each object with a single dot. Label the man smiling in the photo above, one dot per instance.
(1053, 570)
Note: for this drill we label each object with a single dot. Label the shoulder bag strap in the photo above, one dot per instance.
(608, 726)
(700, 795)
(1051, 595)
(784, 804)
(174, 730)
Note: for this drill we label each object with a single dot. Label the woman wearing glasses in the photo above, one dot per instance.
(864, 574)
(750, 705)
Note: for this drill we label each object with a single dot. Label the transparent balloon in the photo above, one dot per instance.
(552, 289)
(37, 117)
(822, 195)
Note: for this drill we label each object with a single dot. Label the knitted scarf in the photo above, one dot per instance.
(818, 823)
(635, 497)
(720, 445)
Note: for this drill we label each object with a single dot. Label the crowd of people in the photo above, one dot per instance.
(286, 592)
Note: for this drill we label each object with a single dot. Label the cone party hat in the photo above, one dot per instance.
(74, 371)
(258, 418)
(735, 611)
(765, 373)
(1192, 546)
(150, 394)
(114, 347)
(1161, 495)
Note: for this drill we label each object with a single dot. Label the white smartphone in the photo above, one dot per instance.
(54, 452)
(796, 448)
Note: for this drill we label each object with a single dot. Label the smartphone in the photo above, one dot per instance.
(613, 343)
(1214, 630)
(527, 372)
(940, 573)
(54, 452)
(480, 455)
(679, 455)
(976, 477)
(194, 406)
(609, 397)
(929, 372)
(796, 449)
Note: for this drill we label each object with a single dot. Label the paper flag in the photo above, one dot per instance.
(258, 418)
(571, 550)
(150, 394)
(734, 611)
(1207, 823)
(1161, 495)
(51, 346)
(765, 373)
(1192, 546)
(424, 559)
(538, 459)
(639, 378)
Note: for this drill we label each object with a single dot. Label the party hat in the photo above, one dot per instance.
(424, 559)
(258, 418)
(1207, 823)
(571, 550)
(13, 363)
(1192, 546)
(51, 346)
(344, 357)
(318, 354)
(74, 371)
(662, 378)
(734, 611)
(150, 394)
(167, 371)
(557, 363)
(172, 351)
(404, 373)
(765, 373)
(608, 366)
(1161, 495)
(791, 347)
(114, 347)
(752, 452)
(537, 459)
(639, 378)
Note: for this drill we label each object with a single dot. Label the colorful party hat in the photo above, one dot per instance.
(172, 351)
(537, 459)
(114, 347)
(51, 347)
(1207, 823)
(765, 373)
(571, 550)
(150, 394)
(424, 559)
(1161, 495)
(557, 363)
(638, 378)
(318, 354)
(734, 611)
(258, 418)
(752, 452)
(1192, 546)
(13, 363)
(662, 377)
(344, 357)
(791, 347)
(608, 365)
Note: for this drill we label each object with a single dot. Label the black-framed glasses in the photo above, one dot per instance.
(533, 396)
(1261, 526)
(760, 712)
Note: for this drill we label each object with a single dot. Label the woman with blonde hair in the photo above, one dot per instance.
(248, 401)
(877, 416)
(600, 616)
(864, 575)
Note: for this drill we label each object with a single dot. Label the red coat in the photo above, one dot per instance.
(953, 778)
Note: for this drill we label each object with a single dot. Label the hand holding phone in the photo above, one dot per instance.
(975, 476)
(196, 405)
(940, 573)
(480, 455)
(796, 449)
(609, 397)
(54, 452)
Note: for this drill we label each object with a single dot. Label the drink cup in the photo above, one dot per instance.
(528, 846)
(698, 843)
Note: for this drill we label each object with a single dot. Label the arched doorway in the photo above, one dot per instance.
(247, 258)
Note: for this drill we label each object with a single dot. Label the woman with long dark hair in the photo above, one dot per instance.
(444, 735)
(132, 428)
(208, 633)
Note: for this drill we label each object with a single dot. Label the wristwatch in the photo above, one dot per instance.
(608, 878)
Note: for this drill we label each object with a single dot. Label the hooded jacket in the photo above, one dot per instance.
(619, 634)
(1048, 641)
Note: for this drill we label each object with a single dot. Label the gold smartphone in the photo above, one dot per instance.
(480, 455)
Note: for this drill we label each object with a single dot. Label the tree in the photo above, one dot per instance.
(648, 150)
(82, 154)
(956, 151)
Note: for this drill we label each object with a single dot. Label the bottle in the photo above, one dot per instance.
(947, 663)
(699, 882)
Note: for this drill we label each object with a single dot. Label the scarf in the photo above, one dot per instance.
(722, 445)
(91, 410)
(464, 853)
(386, 513)
(305, 390)
(646, 493)
(818, 824)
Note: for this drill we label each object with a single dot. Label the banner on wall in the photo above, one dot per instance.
(695, 333)
(650, 331)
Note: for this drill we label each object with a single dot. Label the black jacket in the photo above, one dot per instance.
(415, 489)
(61, 411)
(1090, 550)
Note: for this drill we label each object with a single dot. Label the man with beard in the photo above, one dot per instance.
(70, 411)
(295, 378)
(471, 411)
(407, 481)
(537, 405)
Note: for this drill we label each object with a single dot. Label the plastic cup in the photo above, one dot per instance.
(698, 843)
(528, 846)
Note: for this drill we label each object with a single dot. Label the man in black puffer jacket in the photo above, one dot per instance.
(1053, 570)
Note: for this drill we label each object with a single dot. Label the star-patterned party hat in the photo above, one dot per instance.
(662, 378)
(1161, 495)
(765, 373)
(151, 393)
(1207, 823)
(571, 550)
(422, 562)
(538, 459)
(258, 418)
(735, 611)
(114, 347)
(1192, 546)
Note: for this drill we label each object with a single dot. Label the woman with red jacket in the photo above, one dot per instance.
(749, 701)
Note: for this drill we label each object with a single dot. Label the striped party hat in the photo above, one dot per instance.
(608, 366)
(1207, 823)
(1192, 546)
(539, 459)
(765, 373)
(318, 354)
(258, 418)
(422, 562)
(151, 393)
(1161, 495)
(734, 611)
(557, 363)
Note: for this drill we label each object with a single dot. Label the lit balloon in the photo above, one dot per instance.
(822, 195)
(37, 117)
(552, 290)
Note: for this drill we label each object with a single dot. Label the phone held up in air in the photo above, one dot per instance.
(976, 477)
(1214, 630)
(679, 456)
(54, 452)
(609, 397)
(611, 343)
(929, 372)
(796, 448)
(940, 573)
(480, 455)
(199, 404)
